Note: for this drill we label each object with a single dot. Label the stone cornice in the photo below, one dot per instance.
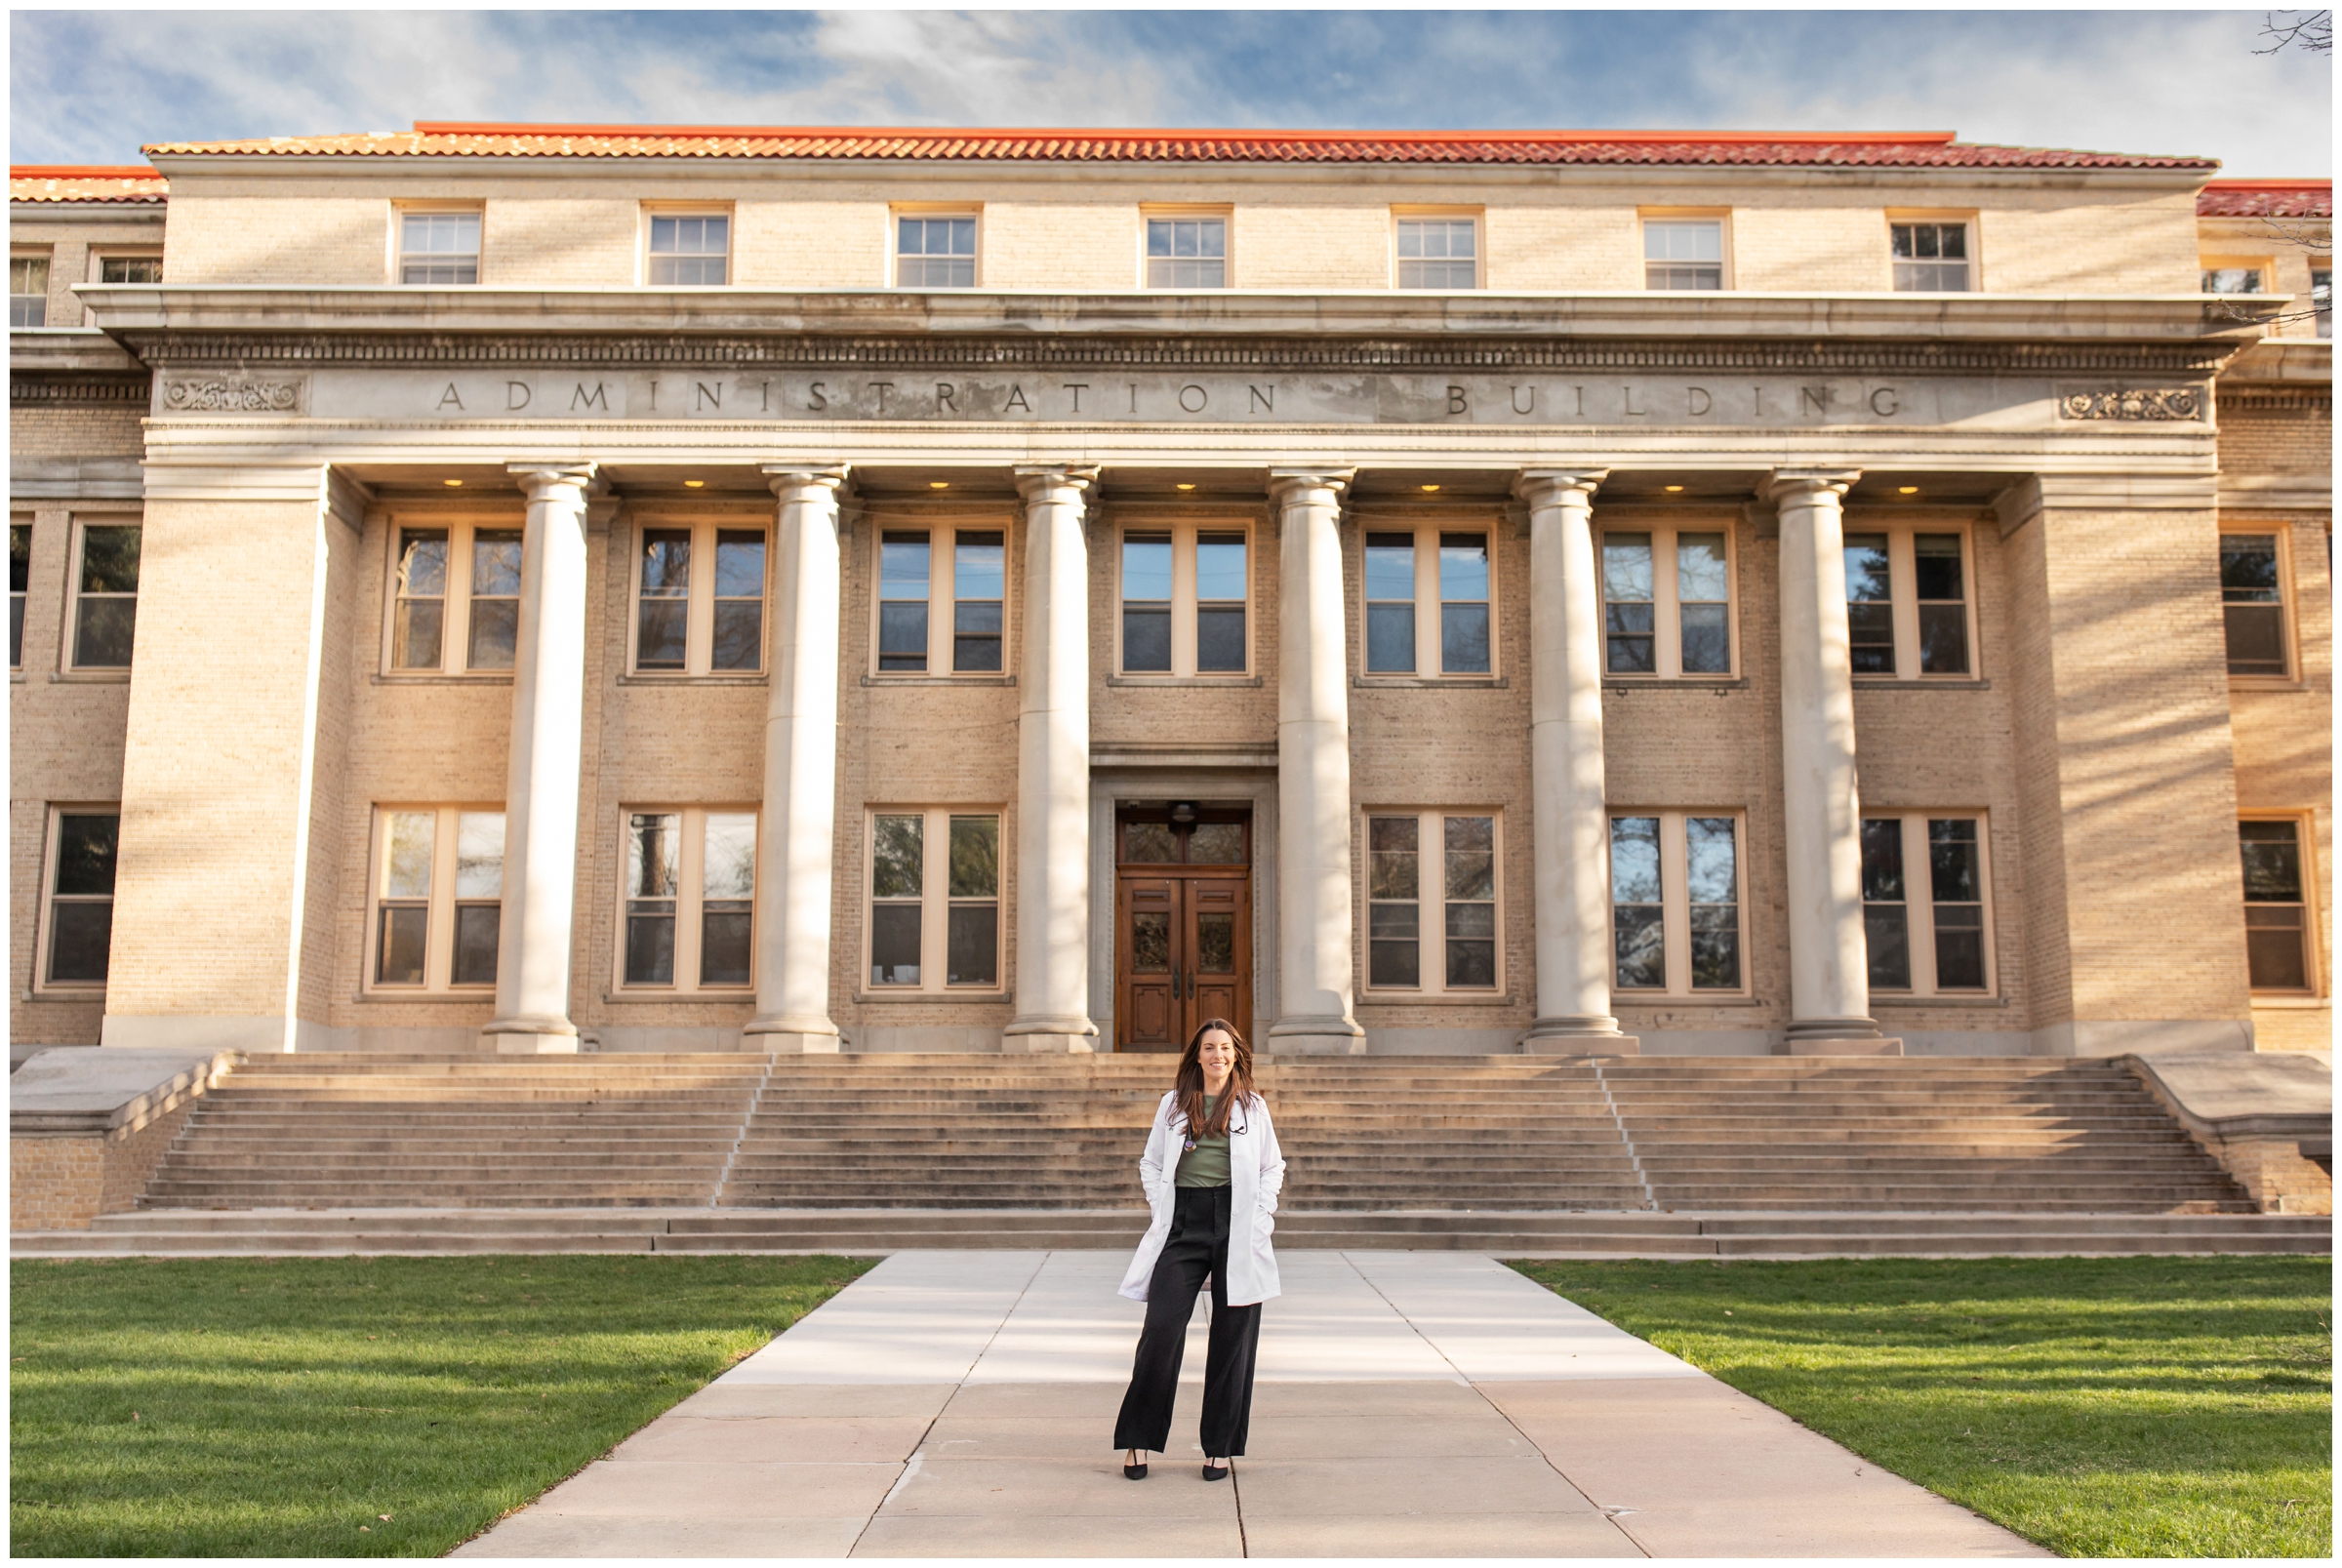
(78, 389)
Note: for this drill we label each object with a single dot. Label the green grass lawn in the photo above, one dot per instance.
(351, 1406)
(2142, 1407)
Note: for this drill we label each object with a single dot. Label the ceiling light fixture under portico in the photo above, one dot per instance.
(451, 483)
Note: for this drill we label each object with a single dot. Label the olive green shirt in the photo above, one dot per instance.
(1206, 1164)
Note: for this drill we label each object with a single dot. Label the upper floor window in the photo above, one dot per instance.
(1675, 888)
(455, 599)
(2236, 277)
(1924, 903)
(1930, 258)
(1185, 593)
(1682, 253)
(1666, 602)
(2322, 298)
(105, 594)
(129, 270)
(2276, 924)
(439, 247)
(935, 900)
(1438, 253)
(1450, 862)
(1429, 598)
(78, 920)
(690, 900)
(27, 290)
(19, 578)
(943, 601)
(2252, 603)
(699, 599)
(935, 252)
(438, 898)
(689, 250)
(1187, 253)
(1907, 606)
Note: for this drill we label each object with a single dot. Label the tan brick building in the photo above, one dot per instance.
(533, 588)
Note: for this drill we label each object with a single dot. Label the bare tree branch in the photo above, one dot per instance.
(2311, 32)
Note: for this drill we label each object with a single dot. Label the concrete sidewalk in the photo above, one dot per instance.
(959, 1404)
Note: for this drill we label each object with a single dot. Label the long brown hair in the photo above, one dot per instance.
(1188, 1085)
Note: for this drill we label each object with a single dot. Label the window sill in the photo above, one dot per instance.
(1922, 683)
(640, 679)
(1948, 999)
(1183, 680)
(89, 677)
(497, 678)
(1431, 683)
(470, 994)
(64, 994)
(653, 994)
(939, 680)
(965, 993)
(2290, 1003)
(2265, 683)
(1620, 999)
(1674, 683)
(1434, 999)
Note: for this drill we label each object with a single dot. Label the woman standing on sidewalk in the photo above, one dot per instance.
(1212, 1173)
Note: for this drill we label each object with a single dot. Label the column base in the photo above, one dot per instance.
(1591, 1035)
(528, 1041)
(1840, 1037)
(1871, 1047)
(792, 1036)
(1315, 1037)
(1072, 1035)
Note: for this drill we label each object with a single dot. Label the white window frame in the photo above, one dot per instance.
(699, 634)
(942, 556)
(1903, 591)
(935, 901)
(439, 929)
(45, 936)
(894, 239)
(2288, 637)
(1918, 902)
(1184, 600)
(1476, 216)
(691, 864)
(1667, 607)
(455, 625)
(1674, 888)
(69, 640)
(1967, 221)
(1429, 646)
(2312, 927)
(48, 263)
(2264, 268)
(101, 254)
(652, 211)
(1722, 220)
(1225, 216)
(1430, 903)
(18, 599)
(401, 211)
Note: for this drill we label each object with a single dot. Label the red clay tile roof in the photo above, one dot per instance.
(1893, 149)
(85, 182)
(2266, 198)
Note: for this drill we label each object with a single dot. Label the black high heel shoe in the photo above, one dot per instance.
(1212, 1472)
(1134, 1472)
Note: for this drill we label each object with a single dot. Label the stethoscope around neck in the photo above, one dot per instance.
(1187, 1136)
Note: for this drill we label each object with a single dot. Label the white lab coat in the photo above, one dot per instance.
(1256, 1175)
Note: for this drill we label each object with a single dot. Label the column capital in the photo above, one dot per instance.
(1789, 484)
(540, 479)
(1553, 487)
(1035, 480)
(784, 477)
(1285, 483)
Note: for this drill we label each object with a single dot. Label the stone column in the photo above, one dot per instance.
(1568, 812)
(1828, 967)
(542, 774)
(1052, 771)
(796, 838)
(1315, 965)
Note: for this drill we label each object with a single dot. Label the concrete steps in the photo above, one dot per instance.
(1612, 1234)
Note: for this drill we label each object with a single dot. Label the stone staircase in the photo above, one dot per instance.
(1653, 1157)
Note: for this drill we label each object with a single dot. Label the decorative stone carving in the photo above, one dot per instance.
(2145, 403)
(231, 397)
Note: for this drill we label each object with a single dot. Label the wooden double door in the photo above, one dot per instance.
(1183, 933)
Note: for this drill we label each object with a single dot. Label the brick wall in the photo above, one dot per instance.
(63, 1183)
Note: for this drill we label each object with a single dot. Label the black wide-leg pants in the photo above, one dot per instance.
(1197, 1246)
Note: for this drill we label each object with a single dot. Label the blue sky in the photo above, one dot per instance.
(90, 86)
